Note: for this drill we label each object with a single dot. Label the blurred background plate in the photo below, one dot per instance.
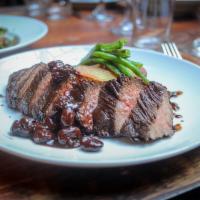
(26, 29)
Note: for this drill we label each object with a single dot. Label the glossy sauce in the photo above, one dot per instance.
(49, 133)
(178, 116)
(175, 93)
(177, 127)
(175, 106)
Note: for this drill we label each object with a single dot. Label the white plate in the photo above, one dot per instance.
(27, 29)
(175, 74)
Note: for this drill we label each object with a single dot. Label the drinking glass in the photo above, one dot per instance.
(36, 7)
(189, 44)
(196, 47)
(188, 41)
(125, 27)
(54, 10)
(99, 13)
(59, 10)
(152, 21)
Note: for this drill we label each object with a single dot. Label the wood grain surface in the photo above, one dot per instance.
(22, 179)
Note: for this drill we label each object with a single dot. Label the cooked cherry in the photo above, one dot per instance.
(175, 106)
(55, 64)
(69, 137)
(67, 117)
(42, 135)
(91, 143)
(24, 127)
(50, 123)
(58, 70)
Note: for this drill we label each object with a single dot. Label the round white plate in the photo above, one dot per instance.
(27, 29)
(175, 74)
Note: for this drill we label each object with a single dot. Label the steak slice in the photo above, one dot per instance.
(60, 96)
(52, 89)
(34, 90)
(116, 100)
(90, 91)
(40, 97)
(152, 117)
(15, 82)
(30, 87)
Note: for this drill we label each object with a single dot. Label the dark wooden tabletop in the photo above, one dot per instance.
(23, 179)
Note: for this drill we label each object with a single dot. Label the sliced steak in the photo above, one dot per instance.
(120, 107)
(40, 97)
(90, 91)
(59, 97)
(15, 82)
(152, 117)
(30, 87)
(116, 100)
(57, 74)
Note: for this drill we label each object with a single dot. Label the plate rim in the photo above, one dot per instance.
(105, 163)
(38, 37)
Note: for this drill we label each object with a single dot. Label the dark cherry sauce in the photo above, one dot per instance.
(175, 94)
(23, 127)
(177, 127)
(70, 137)
(58, 130)
(47, 133)
(42, 135)
(67, 117)
(178, 116)
(91, 143)
(175, 106)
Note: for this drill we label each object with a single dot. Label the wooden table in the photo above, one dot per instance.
(23, 179)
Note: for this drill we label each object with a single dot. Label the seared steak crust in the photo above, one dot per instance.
(39, 100)
(144, 115)
(103, 115)
(84, 113)
(116, 99)
(31, 86)
(49, 92)
(15, 82)
(60, 94)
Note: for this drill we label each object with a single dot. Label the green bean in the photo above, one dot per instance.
(95, 48)
(113, 69)
(107, 47)
(92, 61)
(139, 65)
(125, 70)
(117, 60)
(124, 53)
(112, 46)
(109, 66)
